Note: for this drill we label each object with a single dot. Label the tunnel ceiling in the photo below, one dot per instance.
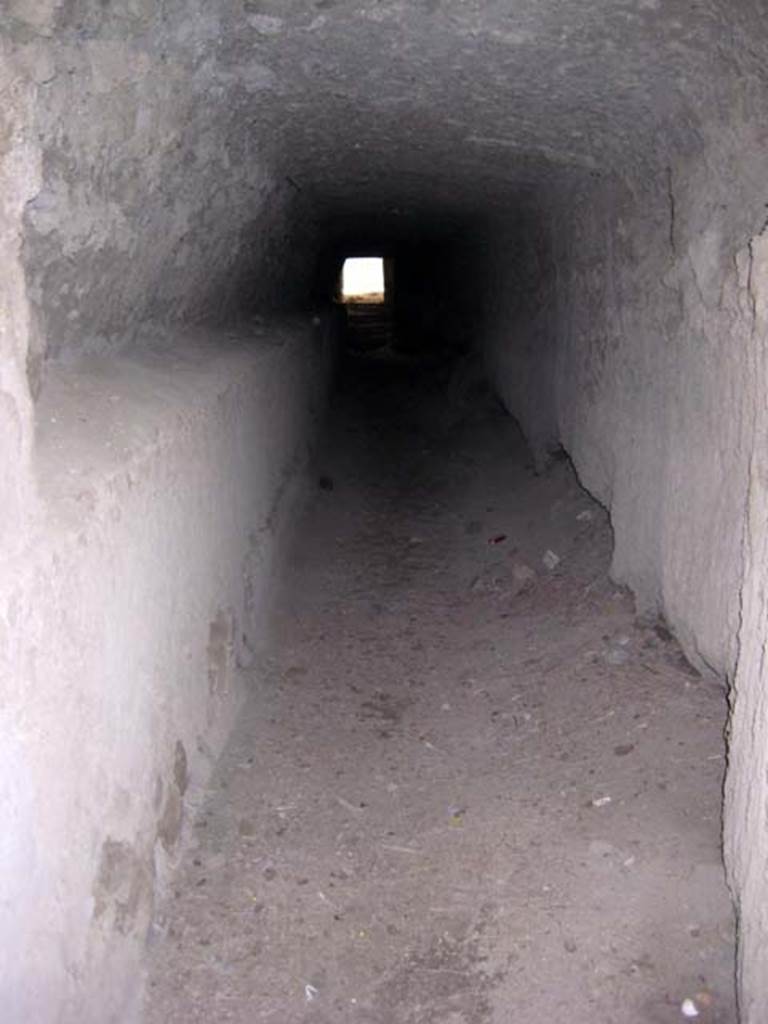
(454, 100)
(184, 142)
(453, 103)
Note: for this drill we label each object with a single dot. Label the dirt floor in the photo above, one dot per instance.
(469, 787)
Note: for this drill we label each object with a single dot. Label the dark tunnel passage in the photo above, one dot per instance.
(383, 661)
(467, 762)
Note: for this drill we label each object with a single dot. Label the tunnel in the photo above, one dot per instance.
(397, 660)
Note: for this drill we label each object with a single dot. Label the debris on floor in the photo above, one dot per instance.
(443, 802)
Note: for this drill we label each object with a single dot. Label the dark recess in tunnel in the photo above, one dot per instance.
(439, 277)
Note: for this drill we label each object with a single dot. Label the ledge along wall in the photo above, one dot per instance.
(167, 481)
(156, 435)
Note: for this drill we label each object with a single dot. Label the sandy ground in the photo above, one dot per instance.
(469, 788)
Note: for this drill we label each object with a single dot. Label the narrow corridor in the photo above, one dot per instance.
(467, 787)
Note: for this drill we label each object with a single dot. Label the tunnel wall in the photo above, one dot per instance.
(147, 471)
(167, 478)
(518, 327)
(20, 175)
(645, 360)
(633, 359)
(664, 441)
(156, 200)
(746, 795)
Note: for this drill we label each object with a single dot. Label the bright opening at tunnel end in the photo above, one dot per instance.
(362, 279)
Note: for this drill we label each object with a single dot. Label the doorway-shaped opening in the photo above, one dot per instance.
(363, 280)
(365, 291)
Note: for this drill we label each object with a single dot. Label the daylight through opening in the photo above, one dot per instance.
(362, 279)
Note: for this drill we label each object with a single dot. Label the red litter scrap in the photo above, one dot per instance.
(498, 539)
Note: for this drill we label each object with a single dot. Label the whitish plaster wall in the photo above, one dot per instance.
(647, 371)
(746, 820)
(625, 338)
(166, 480)
(646, 361)
(142, 501)
(20, 175)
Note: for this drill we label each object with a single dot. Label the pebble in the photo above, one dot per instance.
(523, 573)
(601, 848)
(617, 656)
(550, 560)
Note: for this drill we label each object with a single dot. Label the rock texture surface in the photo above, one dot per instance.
(599, 164)
(125, 630)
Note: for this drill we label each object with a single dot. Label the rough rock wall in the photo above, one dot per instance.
(143, 497)
(652, 377)
(19, 180)
(746, 803)
(167, 478)
(648, 312)
(156, 200)
(628, 346)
